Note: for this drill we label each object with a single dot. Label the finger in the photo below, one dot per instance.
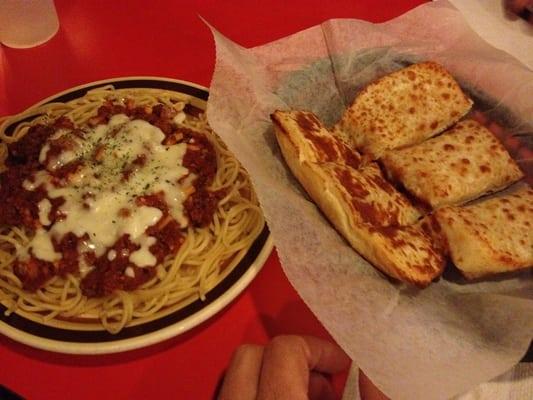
(320, 387)
(325, 356)
(287, 361)
(368, 390)
(285, 371)
(242, 376)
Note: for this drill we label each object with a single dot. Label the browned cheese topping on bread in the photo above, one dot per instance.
(462, 164)
(395, 120)
(356, 198)
(313, 141)
(490, 236)
(370, 198)
(403, 108)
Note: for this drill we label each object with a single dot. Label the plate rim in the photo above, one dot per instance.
(118, 79)
(167, 332)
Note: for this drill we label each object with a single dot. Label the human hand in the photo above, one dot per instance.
(521, 8)
(287, 368)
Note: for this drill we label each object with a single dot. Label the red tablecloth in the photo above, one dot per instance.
(106, 39)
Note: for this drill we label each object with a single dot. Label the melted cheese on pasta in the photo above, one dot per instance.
(100, 198)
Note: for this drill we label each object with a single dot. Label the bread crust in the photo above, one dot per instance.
(460, 165)
(392, 122)
(371, 215)
(403, 108)
(490, 236)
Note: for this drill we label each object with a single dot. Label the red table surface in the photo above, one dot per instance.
(106, 39)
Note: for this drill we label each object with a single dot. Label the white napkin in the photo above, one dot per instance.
(488, 18)
(516, 384)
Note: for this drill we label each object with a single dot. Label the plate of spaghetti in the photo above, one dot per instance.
(124, 218)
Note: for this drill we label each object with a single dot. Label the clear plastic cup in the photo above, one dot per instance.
(27, 23)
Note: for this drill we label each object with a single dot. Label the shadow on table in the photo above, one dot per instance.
(294, 319)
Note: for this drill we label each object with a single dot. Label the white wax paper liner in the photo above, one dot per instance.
(432, 343)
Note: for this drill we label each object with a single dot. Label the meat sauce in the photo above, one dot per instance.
(113, 269)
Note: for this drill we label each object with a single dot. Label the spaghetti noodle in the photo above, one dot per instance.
(124, 206)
